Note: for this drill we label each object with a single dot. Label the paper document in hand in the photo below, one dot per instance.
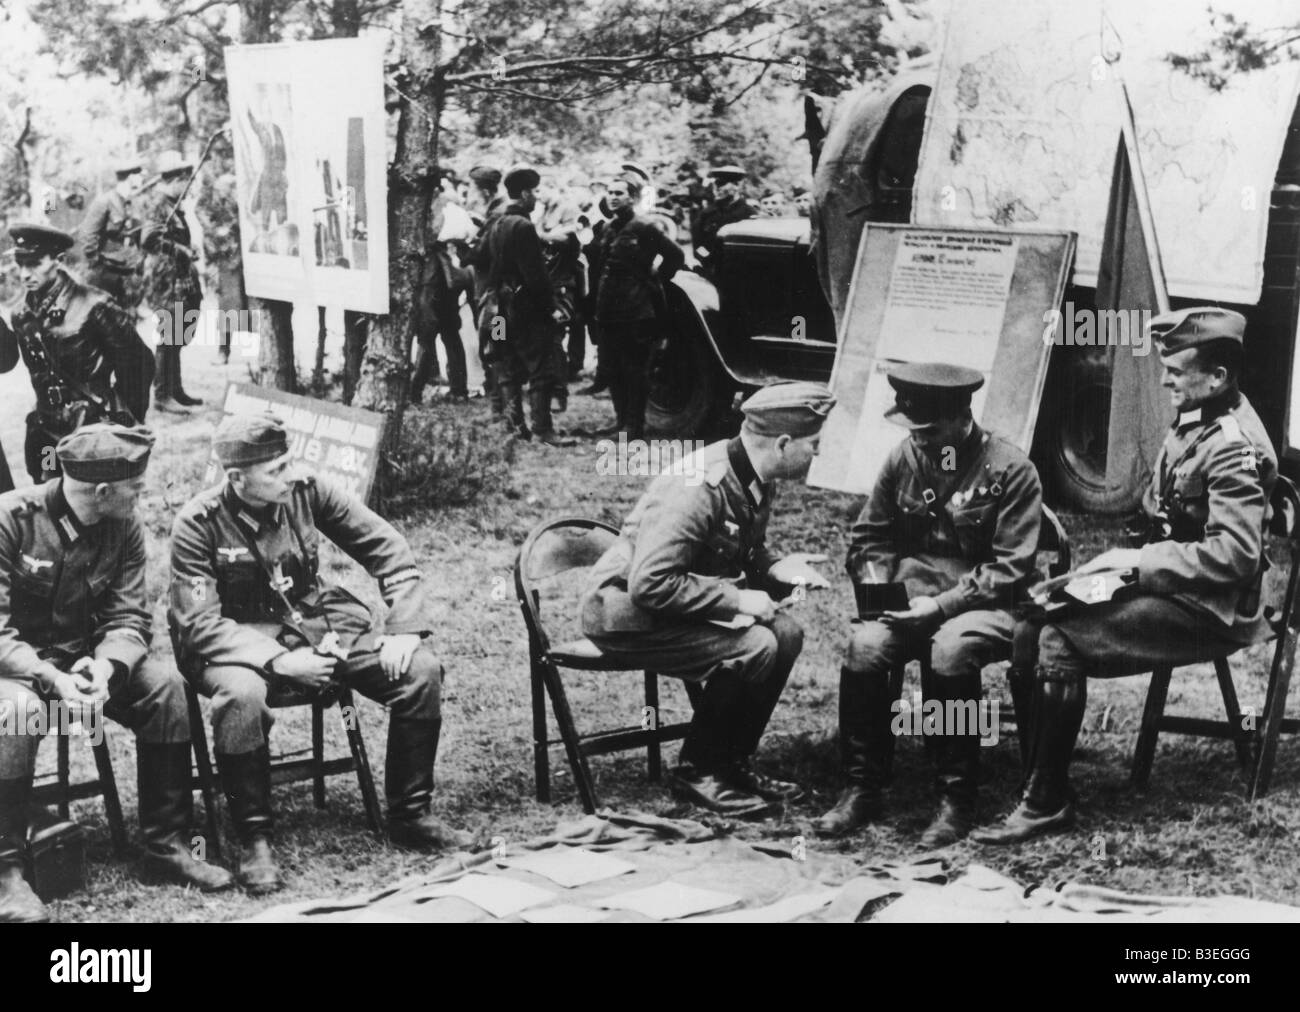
(739, 622)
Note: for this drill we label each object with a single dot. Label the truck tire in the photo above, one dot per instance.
(687, 385)
(1076, 416)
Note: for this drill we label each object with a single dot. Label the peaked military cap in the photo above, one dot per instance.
(126, 167)
(105, 452)
(728, 173)
(485, 176)
(33, 240)
(926, 392)
(522, 177)
(791, 407)
(1187, 328)
(241, 440)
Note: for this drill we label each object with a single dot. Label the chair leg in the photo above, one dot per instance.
(694, 692)
(1241, 737)
(1145, 753)
(365, 777)
(207, 778)
(541, 737)
(654, 759)
(1279, 684)
(112, 803)
(318, 752)
(569, 734)
(65, 778)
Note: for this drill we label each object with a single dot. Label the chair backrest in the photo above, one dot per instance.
(1052, 538)
(1284, 527)
(554, 550)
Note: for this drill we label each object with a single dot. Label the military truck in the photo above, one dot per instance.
(770, 312)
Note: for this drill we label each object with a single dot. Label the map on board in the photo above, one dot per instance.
(1025, 118)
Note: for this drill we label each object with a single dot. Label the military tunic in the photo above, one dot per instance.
(229, 622)
(967, 537)
(697, 536)
(69, 590)
(109, 237)
(171, 287)
(1198, 587)
(86, 360)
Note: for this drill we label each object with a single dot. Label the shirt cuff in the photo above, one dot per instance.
(951, 602)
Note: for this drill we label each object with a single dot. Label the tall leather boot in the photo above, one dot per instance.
(956, 762)
(246, 779)
(179, 393)
(539, 409)
(512, 406)
(408, 785)
(1020, 682)
(1047, 802)
(866, 751)
(19, 903)
(705, 776)
(166, 818)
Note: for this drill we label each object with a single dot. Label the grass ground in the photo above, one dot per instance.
(1192, 833)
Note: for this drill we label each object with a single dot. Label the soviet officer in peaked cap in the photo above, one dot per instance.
(1193, 590)
(74, 627)
(690, 589)
(954, 517)
(86, 362)
(729, 205)
(253, 620)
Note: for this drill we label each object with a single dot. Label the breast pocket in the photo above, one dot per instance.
(975, 527)
(32, 598)
(914, 520)
(239, 585)
(724, 555)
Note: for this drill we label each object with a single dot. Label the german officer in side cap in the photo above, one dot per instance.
(109, 237)
(690, 589)
(954, 517)
(518, 311)
(75, 627)
(253, 619)
(86, 361)
(1193, 590)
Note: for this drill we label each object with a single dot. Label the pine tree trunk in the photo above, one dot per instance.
(275, 364)
(385, 367)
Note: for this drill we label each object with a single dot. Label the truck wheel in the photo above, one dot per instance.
(687, 386)
(1078, 425)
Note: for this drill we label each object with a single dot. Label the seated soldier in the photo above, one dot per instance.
(1193, 590)
(954, 517)
(252, 618)
(684, 591)
(74, 628)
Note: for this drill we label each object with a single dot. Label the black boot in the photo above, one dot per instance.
(19, 904)
(512, 400)
(539, 408)
(166, 818)
(956, 762)
(706, 776)
(866, 751)
(1020, 683)
(246, 778)
(408, 784)
(1047, 802)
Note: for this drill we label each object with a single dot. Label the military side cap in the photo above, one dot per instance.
(1187, 328)
(105, 452)
(522, 178)
(33, 240)
(791, 407)
(127, 167)
(241, 440)
(728, 173)
(925, 392)
(485, 176)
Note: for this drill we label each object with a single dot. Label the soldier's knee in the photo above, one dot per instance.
(1055, 651)
(868, 646)
(422, 687)
(21, 721)
(1024, 645)
(759, 649)
(952, 653)
(789, 636)
(238, 693)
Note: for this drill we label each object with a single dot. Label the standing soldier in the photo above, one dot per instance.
(630, 300)
(172, 285)
(110, 238)
(252, 619)
(685, 591)
(728, 206)
(86, 360)
(1193, 588)
(518, 314)
(954, 517)
(74, 630)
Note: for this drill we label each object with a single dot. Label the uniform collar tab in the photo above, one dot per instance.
(65, 520)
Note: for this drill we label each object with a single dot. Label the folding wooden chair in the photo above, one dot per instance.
(553, 549)
(1256, 748)
(61, 791)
